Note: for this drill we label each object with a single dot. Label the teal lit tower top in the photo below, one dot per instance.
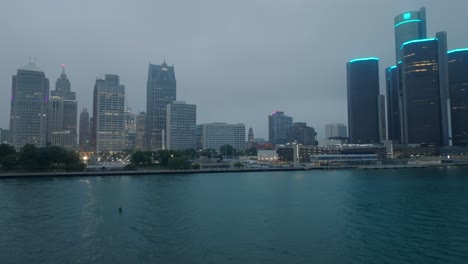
(409, 26)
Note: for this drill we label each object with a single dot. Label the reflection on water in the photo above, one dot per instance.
(400, 216)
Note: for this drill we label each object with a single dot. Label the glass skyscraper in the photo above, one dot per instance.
(84, 130)
(458, 87)
(160, 91)
(29, 99)
(409, 26)
(363, 91)
(425, 91)
(393, 104)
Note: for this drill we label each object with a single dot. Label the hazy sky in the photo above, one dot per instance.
(236, 60)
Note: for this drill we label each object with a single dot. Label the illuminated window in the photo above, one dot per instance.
(407, 16)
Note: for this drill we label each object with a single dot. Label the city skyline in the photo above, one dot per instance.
(210, 77)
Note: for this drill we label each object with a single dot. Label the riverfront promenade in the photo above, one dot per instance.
(232, 170)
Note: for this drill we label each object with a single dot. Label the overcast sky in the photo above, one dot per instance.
(236, 60)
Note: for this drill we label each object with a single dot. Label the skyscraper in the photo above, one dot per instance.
(181, 126)
(109, 114)
(458, 87)
(28, 112)
(62, 117)
(160, 91)
(409, 26)
(84, 130)
(130, 129)
(393, 104)
(425, 114)
(363, 91)
(278, 127)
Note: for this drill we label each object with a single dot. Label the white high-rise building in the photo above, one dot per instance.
(216, 135)
(181, 120)
(109, 114)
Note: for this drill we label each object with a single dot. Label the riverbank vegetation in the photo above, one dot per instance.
(33, 159)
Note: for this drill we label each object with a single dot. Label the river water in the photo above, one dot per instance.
(342, 216)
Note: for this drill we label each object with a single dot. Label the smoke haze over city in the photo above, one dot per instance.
(237, 61)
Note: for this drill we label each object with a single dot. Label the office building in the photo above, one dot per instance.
(84, 141)
(4, 136)
(28, 108)
(363, 91)
(382, 118)
(108, 123)
(458, 88)
(302, 134)
(393, 104)
(425, 106)
(216, 135)
(62, 114)
(140, 131)
(278, 127)
(181, 126)
(130, 129)
(409, 26)
(160, 91)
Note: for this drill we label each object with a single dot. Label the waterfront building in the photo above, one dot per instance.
(62, 114)
(160, 91)
(409, 26)
(216, 135)
(363, 91)
(278, 127)
(458, 88)
(267, 155)
(84, 140)
(382, 118)
(140, 130)
(393, 104)
(301, 133)
(181, 126)
(425, 105)
(109, 114)
(28, 108)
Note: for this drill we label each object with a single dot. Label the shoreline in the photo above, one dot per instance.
(234, 170)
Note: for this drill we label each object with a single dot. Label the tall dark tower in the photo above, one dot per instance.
(160, 91)
(393, 104)
(458, 87)
(409, 26)
(425, 114)
(363, 91)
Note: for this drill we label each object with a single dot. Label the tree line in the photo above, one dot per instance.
(32, 158)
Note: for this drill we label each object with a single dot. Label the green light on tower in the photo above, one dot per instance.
(407, 16)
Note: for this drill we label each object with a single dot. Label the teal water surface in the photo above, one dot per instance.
(349, 216)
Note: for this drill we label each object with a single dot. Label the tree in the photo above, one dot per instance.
(6, 150)
(29, 157)
(10, 162)
(251, 152)
(226, 150)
